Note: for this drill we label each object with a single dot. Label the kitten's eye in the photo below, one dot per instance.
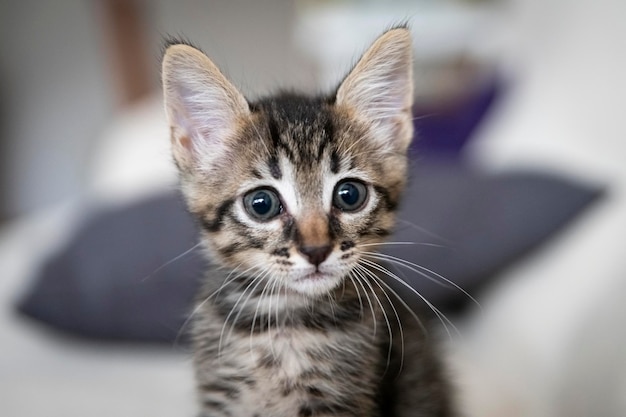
(262, 204)
(349, 195)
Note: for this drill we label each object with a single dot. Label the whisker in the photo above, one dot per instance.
(359, 269)
(358, 293)
(383, 311)
(375, 280)
(228, 280)
(442, 317)
(362, 245)
(399, 261)
(404, 304)
(278, 321)
(256, 311)
(199, 306)
(332, 307)
(360, 279)
(171, 261)
(258, 134)
(355, 143)
(424, 116)
(269, 319)
(424, 230)
(422, 270)
(260, 279)
(343, 289)
(232, 310)
(188, 319)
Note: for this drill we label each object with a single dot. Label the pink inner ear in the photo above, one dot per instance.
(185, 142)
(205, 114)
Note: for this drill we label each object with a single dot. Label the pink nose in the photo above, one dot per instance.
(315, 254)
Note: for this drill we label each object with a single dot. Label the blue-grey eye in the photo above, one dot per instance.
(349, 195)
(262, 204)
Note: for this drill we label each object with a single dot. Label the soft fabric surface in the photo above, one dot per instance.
(467, 226)
(122, 277)
(107, 283)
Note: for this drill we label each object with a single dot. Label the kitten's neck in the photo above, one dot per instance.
(259, 304)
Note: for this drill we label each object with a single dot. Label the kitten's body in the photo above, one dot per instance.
(320, 359)
(293, 193)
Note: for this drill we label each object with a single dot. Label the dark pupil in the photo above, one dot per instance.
(349, 194)
(262, 203)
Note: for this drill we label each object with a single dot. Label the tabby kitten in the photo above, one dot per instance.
(292, 193)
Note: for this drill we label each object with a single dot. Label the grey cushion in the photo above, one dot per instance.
(473, 225)
(113, 281)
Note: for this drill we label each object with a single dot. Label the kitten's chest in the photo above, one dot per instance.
(292, 353)
(282, 371)
(290, 356)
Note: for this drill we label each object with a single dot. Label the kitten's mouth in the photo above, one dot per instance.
(314, 276)
(315, 283)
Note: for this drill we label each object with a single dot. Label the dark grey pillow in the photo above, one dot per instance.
(110, 282)
(468, 226)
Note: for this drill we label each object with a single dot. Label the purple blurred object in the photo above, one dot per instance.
(443, 129)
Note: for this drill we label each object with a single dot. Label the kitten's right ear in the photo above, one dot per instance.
(202, 106)
(379, 89)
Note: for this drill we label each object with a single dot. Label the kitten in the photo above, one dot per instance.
(292, 193)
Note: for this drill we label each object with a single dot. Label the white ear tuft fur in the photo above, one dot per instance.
(379, 90)
(202, 106)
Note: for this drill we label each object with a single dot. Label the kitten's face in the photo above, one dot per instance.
(291, 189)
(300, 193)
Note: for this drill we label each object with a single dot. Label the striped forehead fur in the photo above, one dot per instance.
(297, 126)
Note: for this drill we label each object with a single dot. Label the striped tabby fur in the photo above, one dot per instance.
(291, 192)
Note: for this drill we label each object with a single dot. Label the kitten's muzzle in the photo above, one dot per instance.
(315, 254)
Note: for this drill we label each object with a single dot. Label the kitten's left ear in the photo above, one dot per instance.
(379, 90)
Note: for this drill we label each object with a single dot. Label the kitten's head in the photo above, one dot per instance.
(291, 188)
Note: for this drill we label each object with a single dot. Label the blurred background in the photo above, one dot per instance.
(521, 156)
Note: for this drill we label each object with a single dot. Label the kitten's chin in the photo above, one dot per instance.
(315, 284)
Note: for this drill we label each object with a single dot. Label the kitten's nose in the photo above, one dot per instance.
(315, 254)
